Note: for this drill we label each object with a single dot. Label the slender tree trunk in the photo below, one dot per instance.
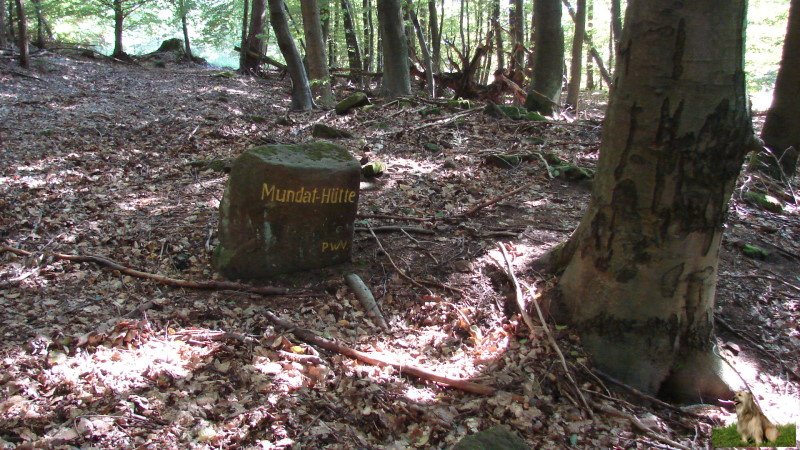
(368, 33)
(436, 37)
(353, 49)
(589, 32)
(255, 32)
(641, 267)
(3, 39)
(591, 49)
(11, 6)
(532, 50)
(462, 26)
(616, 28)
(576, 64)
(184, 12)
(301, 92)
(517, 28)
(498, 36)
(545, 91)
(243, 52)
(781, 133)
(24, 58)
(426, 55)
(315, 53)
(37, 9)
(119, 18)
(335, 37)
(396, 79)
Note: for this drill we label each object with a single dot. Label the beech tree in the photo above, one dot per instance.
(396, 77)
(301, 92)
(353, 48)
(315, 53)
(3, 40)
(122, 9)
(640, 269)
(544, 93)
(781, 133)
(253, 46)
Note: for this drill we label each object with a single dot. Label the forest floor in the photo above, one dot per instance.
(96, 160)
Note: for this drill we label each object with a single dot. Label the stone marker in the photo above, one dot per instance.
(287, 208)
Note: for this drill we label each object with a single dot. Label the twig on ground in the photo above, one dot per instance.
(174, 282)
(775, 278)
(509, 269)
(491, 202)
(556, 348)
(419, 284)
(394, 217)
(438, 122)
(390, 228)
(642, 395)
(638, 425)
(378, 360)
(755, 345)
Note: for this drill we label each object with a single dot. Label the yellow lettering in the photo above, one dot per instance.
(325, 246)
(351, 196)
(267, 191)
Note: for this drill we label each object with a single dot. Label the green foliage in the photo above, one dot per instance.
(729, 437)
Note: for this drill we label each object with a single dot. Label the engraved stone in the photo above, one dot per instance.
(287, 208)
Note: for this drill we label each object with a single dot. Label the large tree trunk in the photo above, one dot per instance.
(396, 77)
(301, 92)
(641, 267)
(576, 64)
(24, 58)
(781, 133)
(435, 36)
(315, 53)
(353, 49)
(119, 18)
(255, 39)
(545, 89)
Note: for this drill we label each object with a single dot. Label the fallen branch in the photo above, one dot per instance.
(438, 122)
(168, 281)
(394, 217)
(378, 360)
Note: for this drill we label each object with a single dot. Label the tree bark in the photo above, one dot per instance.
(24, 58)
(37, 9)
(545, 90)
(781, 133)
(353, 49)
(641, 267)
(435, 36)
(616, 26)
(119, 18)
(576, 64)
(396, 78)
(301, 92)
(11, 6)
(315, 53)
(255, 33)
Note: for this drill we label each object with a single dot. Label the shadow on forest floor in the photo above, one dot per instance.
(96, 160)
